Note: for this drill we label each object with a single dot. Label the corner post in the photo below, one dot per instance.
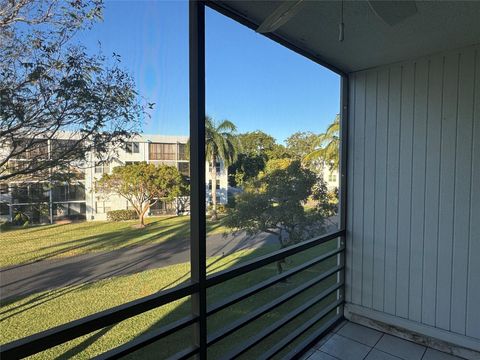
(197, 169)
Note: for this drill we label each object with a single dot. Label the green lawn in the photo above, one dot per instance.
(23, 245)
(41, 311)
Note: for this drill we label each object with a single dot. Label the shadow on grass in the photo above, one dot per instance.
(104, 241)
(218, 322)
(151, 257)
(18, 282)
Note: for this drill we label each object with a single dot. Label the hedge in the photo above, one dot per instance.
(120, 215)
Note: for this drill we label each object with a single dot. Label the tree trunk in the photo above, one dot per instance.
(141, 216)
(214, 186)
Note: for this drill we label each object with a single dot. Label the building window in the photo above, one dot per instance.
(31, 149)
(132, 147)
(161, 151)
(182, 152)
(210, 184)
(98, 168)
(217, 166)
(102, 207)
(101, 168)
(332, 177)
(76, 192)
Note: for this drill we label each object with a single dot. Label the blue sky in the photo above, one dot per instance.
(250, 80)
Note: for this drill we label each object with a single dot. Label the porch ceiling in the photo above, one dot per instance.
(369, 41)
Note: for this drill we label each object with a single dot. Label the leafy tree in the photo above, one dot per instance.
(257, 147)
(183, 200)
(221, 143)
(246, 168)
(301, 143)
(327, 147)
(51, 88)
(277, 164)
(279, 151)
(256, 143)
(275, 205)
(142, 185)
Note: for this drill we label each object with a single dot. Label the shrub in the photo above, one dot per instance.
(232, 201)
(21, 219)
(121, 215)
(5, 226)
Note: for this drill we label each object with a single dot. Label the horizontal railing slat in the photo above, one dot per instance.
(147, 339)
(72, 330)
(261, 261)
(269, 282)
(282, 322)
(229, 329)
(184, 354)
(282, 344)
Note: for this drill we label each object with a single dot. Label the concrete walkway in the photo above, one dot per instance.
(21, 280)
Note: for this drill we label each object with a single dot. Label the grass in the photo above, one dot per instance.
(24, 245)
(38, 312)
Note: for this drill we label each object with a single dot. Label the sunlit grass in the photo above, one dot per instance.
(23, 245)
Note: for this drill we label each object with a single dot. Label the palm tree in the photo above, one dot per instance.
(327, 146)
(221, 143)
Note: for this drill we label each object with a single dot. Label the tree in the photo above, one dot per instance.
(221, 143)
(142, 185)
(256, 143)
(301, 143)
(327, 146)
(275, 205)
(257, 147)
(279, 151)
(183, 200)
(53, 93)
(246, 168)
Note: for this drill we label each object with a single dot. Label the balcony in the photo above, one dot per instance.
(398, 278)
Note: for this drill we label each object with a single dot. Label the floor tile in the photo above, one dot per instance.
(404, 349)
(345, 349)
(380, 355)
(433, 354)
(339, 326)
(360, 333)
(320, 355)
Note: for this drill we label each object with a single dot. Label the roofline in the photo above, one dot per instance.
(242, 19)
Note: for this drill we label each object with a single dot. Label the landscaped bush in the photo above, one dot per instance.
(121, 215)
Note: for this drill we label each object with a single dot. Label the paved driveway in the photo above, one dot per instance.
(30, 278)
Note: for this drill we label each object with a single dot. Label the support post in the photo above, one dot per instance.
(343, 178)
(197, 169)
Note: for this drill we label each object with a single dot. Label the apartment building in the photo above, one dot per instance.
(77, 199)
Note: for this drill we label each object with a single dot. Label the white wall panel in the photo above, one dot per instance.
(414, 184)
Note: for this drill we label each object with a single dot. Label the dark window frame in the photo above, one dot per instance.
(199, 281)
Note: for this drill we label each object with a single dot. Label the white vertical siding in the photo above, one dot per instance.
(414, 191)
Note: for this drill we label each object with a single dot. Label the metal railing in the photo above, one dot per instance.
(61, 334)
(302, 337)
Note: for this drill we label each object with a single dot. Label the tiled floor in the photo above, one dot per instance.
(350, 341)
